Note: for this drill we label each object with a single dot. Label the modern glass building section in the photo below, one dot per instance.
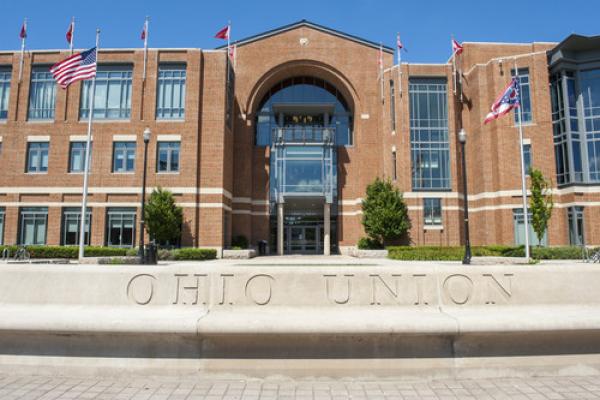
(303, 120)
(430, 150)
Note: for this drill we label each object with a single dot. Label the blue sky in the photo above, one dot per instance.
(425, 26)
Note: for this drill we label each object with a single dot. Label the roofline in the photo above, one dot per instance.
(123, 50)
(304, 22)
(554, 50)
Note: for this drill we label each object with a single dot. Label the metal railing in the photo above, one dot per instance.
(303, 135)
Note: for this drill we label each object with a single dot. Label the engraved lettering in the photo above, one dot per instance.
(224, 289)
(329, 289)
(194, 290)
(458, 288)
(504, 290)
(140, 289)
(259, 283)
(375, 278)
(419, 279)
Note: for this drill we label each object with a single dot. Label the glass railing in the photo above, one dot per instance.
(303, 135)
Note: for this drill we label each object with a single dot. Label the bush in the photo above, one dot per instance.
(195, 254)
(456, 253)
(240, 241)
(367, 243)
(70, 252)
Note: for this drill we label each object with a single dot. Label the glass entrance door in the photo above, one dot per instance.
(303, 240)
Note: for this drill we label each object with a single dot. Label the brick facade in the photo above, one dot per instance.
(223, 181)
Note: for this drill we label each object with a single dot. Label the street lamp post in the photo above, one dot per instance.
(142, 252)
(462, 138)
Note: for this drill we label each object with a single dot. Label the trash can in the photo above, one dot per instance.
(151, 254)
(262, 248)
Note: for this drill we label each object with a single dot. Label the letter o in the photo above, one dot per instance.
(250, 292)
(141, 293)
(458, 288)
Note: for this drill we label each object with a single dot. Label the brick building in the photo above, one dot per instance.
(281, 144)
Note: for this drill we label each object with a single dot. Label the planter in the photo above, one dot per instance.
(359, 253)
(239, 254)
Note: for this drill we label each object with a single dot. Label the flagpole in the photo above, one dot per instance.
(399, 56)
(453, 64)
(523, 182)
(72, 34)
(22, 50)
(86, 172)
(146, 23)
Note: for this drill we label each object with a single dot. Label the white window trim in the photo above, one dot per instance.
(37, 138)
(79, 138)
(168, 138)
(124, 138)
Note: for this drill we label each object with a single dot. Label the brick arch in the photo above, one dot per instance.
(296, 68)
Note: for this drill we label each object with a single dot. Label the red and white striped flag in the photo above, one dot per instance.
(457, 48)
(78, 67)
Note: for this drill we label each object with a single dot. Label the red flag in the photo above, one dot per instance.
(399, 42)
(232, 50)
(69, 34)
(143, 35)
(23, 33)
(223, 33)
(456, 47)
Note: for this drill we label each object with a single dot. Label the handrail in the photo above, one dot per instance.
(303, 135)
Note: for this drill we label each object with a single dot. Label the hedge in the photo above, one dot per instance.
(38, 251)
(440, 253)
(194, 254)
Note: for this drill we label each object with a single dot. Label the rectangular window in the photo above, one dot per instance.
(525, 96)
(519, 229)
(77, 157)
(430, 150)
(590, 92)
(71, 222)
(113, 93)
(168, 157)
(2, 213)
(120, 227)
(527, 157)
(392, 105)
(123, 156)
(394, 166)
(432, 211)
(170, 102)
(37, 157)
(32, 225)
(42, 94)
(575, 220)
(230, 95)
(5, 74)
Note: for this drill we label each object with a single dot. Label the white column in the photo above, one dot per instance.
(280, 228)
(327, 229)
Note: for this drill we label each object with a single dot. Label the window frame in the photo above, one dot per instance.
(181, 81)
(104, 76)
(126, 153)
(40, 154)
(47, 83)
(38, 213)
(82, 150)
(527, 158)
(2, 223)
(5, 80)
(526, 115)
(170, 150)
(120, 212)
(68, 213)
(432, 208)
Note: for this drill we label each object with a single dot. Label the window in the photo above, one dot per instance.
(77, 157)
(575, 221)
(170, 102)
(527, 157)
(71, 222)
(113, 93)
(168, 157)
(432, 211)
(120, 227)
(525, 96)
(392, 105)
(2, 213)
(519, 229)
(42, 94)
(32, 225)
(590, 91)
(5, 74)
(430, 151)
(37, 157)
(230, 95)
(124, 157)
(394, 166)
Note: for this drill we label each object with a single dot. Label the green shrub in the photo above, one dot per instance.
(367, 243)
(132, 252)
(71, 252)
(456, 253)
(550, 253)
(191, 253)
(240, 241)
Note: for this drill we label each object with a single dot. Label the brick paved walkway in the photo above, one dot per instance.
(49, 388)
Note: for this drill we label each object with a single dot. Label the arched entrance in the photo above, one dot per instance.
(303, 119)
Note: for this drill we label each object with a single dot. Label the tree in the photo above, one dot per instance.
(541, 203)
(385, 215)
(163, 217)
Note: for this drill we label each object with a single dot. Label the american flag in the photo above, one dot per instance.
(508, 100)
(78, 67)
